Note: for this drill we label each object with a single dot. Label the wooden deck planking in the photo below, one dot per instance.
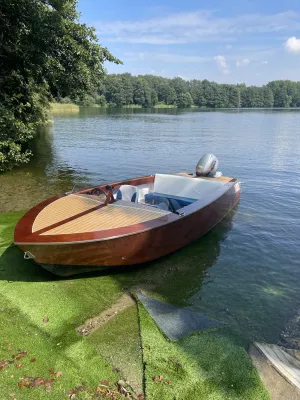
(101, 197)
(284, 363)
(63, 208)
(109, 217)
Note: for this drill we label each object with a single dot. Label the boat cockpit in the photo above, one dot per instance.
(170, 192)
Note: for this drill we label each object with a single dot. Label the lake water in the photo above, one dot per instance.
(246, 271)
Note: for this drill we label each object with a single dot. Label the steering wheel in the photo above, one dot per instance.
(96, 192)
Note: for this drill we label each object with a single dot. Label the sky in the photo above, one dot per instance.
(229, 41)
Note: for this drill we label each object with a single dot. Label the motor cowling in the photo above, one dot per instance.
(208, 166)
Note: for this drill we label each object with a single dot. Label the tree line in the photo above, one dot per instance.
(118, 90)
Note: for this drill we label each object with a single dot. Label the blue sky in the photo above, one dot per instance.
(226, 41)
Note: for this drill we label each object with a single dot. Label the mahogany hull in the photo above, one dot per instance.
(136, 248)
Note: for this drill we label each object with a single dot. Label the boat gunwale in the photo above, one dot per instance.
(24, 237)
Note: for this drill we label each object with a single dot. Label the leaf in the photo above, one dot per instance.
(72, 393)
(140, 397)
(59, 373)
(160, 378)
(20, 355)
(3, 364)
(19, 365)
(48, 386)
(25, 383)
(38, 381)
(33, 360)
(105, 383)
(46, 320)
(51, 371)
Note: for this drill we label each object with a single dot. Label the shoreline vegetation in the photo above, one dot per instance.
(59, 108)
(149, 91)
(63, 108)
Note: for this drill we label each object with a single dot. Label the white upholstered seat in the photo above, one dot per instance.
(128, 193)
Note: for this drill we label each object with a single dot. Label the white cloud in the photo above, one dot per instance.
(293, 45)
(264, 62)
(243, 62)
(166, 57)
(197, 26)
(222, 64)
(228, 46)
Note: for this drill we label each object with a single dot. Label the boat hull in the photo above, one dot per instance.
(134, 248)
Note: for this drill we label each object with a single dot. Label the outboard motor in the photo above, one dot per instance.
(208, 166)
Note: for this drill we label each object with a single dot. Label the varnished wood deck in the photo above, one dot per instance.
(112, 216)
(63, 208)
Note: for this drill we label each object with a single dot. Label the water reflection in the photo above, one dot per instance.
(44, 176)
(177, 277)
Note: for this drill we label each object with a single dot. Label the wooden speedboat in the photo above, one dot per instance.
(124, 223)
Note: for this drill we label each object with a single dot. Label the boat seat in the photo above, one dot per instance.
(184, 187)
(128, 193)
(176, 201)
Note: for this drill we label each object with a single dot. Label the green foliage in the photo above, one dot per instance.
(100, 100)
(184, 100)
(64, 100)
(87, 100)
(148, 91)
(142, 93)
(44, 51)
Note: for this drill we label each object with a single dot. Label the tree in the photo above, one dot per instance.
(154, 98)
(184, 100)
(268, 97)
(115, 92)
(179, 85)
(100, 100)
(45, 52)
(142, 93)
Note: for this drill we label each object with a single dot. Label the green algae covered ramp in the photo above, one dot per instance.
(176, 322)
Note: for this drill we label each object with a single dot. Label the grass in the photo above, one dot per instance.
(75, 359)
(163, 105)
(28, 296)
(132, 106)
(58, 108)
(123, 354)
(207, 363)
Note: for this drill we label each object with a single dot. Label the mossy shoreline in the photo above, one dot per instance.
(59, 108)
(39, 314)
